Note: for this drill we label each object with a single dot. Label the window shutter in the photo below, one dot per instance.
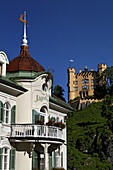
(0, 158)
(12, 159)
(35, 161)
(1, 112)
(50, 162)
(13, 114)
(33, 156)
(62, 159)
(54, 159)
(33, 116)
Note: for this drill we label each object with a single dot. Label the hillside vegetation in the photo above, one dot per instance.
(90, 137)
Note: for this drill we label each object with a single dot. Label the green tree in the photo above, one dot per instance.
(90, 136)
(59, 92)
(109, 75)
(100, 91)
(105, 84)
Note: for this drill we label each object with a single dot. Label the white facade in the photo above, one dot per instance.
(24, 143)
(8, 93)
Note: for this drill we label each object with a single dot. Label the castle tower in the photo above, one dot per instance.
(71, 90)
(101, 67)
(82, 84)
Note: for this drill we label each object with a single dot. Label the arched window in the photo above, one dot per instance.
(6, 113)
(44, 87)
(1, 112)
(85, 87)
(85, 81)
(13, 114)
(43, 109)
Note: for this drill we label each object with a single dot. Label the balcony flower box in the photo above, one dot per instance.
(50, 123)
(57, 124)
(60, 124)
(39, 122)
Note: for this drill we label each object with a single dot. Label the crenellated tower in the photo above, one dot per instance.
(82, 84)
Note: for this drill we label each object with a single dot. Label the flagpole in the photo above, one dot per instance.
(70, 61)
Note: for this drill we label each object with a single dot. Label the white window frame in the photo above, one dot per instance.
(7, 113)
(5, 156)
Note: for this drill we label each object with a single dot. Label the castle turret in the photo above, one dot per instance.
(71, 91)
(101, 67)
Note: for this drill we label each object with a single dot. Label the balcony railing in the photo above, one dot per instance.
(36, 131)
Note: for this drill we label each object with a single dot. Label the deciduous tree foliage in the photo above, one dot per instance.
(90, 136)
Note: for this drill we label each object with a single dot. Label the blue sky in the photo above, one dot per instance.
(60, 30)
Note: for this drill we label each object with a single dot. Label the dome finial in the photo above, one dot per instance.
(24, 41)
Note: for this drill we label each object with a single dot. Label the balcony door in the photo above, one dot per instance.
(37, 116)
(36, 161)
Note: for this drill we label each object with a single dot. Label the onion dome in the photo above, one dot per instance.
(24, 62)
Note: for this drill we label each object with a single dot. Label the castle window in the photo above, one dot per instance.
(85, 87)
(92, 81)
(85, 81)
(73, 88)
(92, 87)
(76, 88)
(76, 82)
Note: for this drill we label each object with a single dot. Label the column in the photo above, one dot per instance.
(46, 156)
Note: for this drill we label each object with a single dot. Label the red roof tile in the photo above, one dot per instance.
(24, 62)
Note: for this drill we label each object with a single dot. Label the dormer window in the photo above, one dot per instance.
(3, 62)
(44, 87)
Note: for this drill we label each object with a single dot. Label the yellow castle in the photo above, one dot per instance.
(82, 84)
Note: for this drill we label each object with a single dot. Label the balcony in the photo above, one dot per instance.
(36, 132)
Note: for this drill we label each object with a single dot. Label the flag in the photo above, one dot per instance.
(22, 20)
(71, 60)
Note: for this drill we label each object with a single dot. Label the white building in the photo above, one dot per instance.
(27, 109)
